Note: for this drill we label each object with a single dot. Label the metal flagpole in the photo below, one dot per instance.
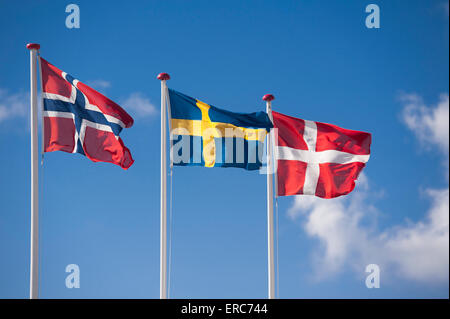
(163, 77)
(34, 260)
(271, 269)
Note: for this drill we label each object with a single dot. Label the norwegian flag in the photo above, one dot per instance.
(316, 158)
(78, 119)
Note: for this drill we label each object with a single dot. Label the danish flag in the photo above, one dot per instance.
(78, 119)
(316, 158)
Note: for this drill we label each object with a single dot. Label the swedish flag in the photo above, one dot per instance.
(205, 135)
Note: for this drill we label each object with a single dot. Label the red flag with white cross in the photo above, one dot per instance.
(316, 158)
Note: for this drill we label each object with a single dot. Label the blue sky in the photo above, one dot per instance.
(321, 63)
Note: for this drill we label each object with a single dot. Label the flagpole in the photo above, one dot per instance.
(271, 269)
(34, 252)
(163, 77)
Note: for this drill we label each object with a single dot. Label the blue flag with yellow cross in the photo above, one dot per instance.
(204, 135)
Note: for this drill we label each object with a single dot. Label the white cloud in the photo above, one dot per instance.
(13, 105)
(421, 250)
(429, 124)
(346, 227)
(347, 232)
(139, 105)
(99, 84)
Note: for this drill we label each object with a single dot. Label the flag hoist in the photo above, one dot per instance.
(163, 77)
(34, 252)
(270, 165)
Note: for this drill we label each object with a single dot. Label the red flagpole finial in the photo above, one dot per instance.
(163, 76)
(268, 97)
(33, 46)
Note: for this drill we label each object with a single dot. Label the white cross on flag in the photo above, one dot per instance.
(316, 158)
